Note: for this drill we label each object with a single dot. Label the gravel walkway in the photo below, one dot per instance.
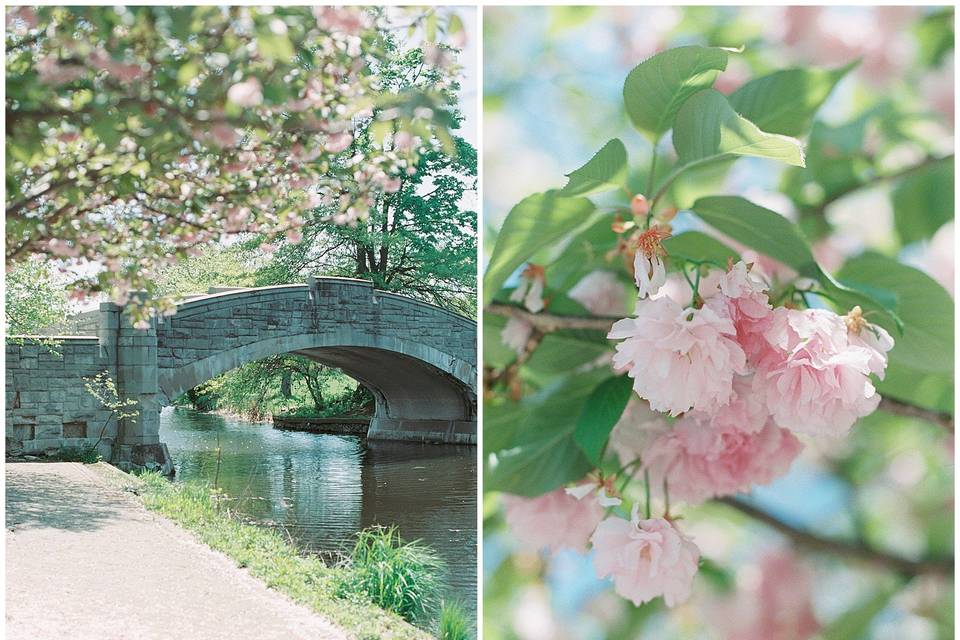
(87, 560)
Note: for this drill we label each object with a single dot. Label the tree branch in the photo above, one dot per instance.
(908, 410)
(848, 549)
(547, 323)
(821, 208)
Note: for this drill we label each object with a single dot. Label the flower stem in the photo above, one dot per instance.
(666, 499)
(646, 490)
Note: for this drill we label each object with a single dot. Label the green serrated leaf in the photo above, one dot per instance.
(707, 128)
(773, 235)
(543, 454)
(538, 221)
(694, 245)
(925, 308)
(600, 413)
(923, 201)
(761, 229)
(786, 101)
(656, 88)
(606, 170)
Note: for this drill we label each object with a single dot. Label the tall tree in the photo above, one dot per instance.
(136, 135)
(419, 237)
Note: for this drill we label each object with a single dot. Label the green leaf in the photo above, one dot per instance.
(694, 245)
(786, 101)
(599, 415)
(586, 252)
(761, 229)
(655, 88)
(855, 623)
(923, 201)
(925, 308)
(538, 221)
(543, 455)
(495, 353)
(274, 46)
(773, 235)
(933, 391)
(187, 72)
(606, 170)
(708, 128)
(560, 352)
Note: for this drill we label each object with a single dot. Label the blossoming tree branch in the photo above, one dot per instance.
(740, 348)
(138, 135)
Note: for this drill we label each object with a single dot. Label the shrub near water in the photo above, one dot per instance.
(453, 623)
(403, 577)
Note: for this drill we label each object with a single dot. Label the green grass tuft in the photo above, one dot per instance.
(399, 576)
(87, 454)
(270, 557)
(453, 623)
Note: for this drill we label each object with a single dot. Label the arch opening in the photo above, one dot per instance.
(419, 393)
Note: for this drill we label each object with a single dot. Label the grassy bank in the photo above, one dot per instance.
(338, 593)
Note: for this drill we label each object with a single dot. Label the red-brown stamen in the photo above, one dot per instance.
(650, 241)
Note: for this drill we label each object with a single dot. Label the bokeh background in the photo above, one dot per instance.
(553, 78)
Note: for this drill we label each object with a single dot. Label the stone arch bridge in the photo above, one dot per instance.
(418, 360)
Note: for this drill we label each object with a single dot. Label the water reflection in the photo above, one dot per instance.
(324, 488)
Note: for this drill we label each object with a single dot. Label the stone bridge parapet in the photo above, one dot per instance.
(418, 360)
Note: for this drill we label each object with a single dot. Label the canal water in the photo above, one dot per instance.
(322, 489)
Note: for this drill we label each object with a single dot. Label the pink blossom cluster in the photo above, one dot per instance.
(808, 369)
(724, 382)
(645, 557)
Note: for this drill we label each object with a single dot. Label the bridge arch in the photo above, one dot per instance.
(418, 360)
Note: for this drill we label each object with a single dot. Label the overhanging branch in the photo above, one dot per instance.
(848, 549)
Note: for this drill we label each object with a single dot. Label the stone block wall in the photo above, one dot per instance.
(47, 404)
(206, 327)
(48, 407)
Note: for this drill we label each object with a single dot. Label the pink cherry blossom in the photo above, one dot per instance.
(346, 20)
(746, 410)
(556, 520)
(777, 605)
(601, 293)
(742, 297)
(248, 93)
(21, 19)
(102, 61)
(649, 273)
(50, 71)
(637, 427)
(530, 289)
(516, 333)
(815, 379)
(223, 134)
(700, 461)
(679, 358)
(337, 142)
(645, 558)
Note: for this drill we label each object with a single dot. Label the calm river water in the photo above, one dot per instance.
(324, 488)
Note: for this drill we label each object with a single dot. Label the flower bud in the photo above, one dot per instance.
(639, 205)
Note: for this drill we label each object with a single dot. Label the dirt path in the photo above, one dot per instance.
(86, 560)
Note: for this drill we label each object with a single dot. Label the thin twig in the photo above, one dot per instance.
(821, 208)
(548, 323)
(848, 549)
(907, 410)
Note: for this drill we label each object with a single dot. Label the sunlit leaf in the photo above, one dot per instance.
(655, 88)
